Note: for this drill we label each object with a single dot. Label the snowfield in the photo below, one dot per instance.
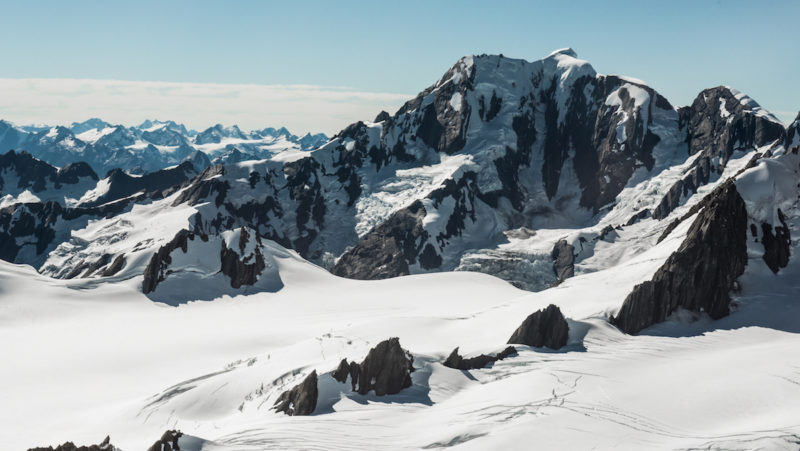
(92, 359)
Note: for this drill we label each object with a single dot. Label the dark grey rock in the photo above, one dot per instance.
(456, 361)
(242, 271)
(563, 255)
(301, 399)
(793, 136)
(388, 249)
(777, 245)
(382, 116)
(701, 273)
(105, 445)
(543, 328)
(347, 369)
(115, 266)
(167, 442)
(716, 135)
(386, 370)
(156, 269)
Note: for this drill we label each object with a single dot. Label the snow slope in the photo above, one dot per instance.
(100, 358)
(91, 360)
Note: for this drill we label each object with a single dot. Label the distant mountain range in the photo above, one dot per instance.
(151, 146)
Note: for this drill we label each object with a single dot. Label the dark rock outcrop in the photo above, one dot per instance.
(105, 445)
(777, 245)
(456, 361)
(719, 134)
(167, 442)
(716, 125)
(386, 370)
(543, 328)
(35, 224)
(388, 250)
(701, 273)
(156, 269)
(301, 399)
(242, 269)
(347, 369)
(793, 136)
(382, 116)
(563, 260)
(115, 266)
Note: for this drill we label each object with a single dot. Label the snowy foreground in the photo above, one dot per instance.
(83, 361)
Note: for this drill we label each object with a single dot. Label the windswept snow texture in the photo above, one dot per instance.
(190, 297)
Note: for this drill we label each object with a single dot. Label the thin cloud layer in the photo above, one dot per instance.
(300, 108)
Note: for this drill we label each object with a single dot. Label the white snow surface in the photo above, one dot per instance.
(94, 359)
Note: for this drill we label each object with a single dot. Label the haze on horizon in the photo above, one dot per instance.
(318, 66)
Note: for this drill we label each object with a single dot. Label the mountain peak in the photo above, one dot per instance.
(565, 51)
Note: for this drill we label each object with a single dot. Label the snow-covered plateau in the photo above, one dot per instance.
(639, 259)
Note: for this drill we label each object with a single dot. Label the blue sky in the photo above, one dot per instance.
(678, 47)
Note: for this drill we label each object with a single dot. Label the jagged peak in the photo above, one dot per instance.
(744, 101)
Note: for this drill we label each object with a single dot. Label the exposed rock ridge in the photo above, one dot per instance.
(701, 273)
(105, 445)
(169, 441)
(719, 122)
(543, 328)
(563, 260)
(242, 268)
(386, 370)
(456, 361)
(158, 265)
(301, 399)
(776, 246)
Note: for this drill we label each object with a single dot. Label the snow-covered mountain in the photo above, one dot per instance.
(648, 246)
(151, 146)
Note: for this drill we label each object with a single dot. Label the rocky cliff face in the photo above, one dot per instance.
(169, 441)
(496, 147)
(386, 370)
(543, 328)
(700, 274)
(563, 260)
(719, 122)
(793, 135)
(158, 265)
(301, 399)
(389, 249)
(241, 264)
(569, 133)
(777, 244)
(239, 256)
(105, 445)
